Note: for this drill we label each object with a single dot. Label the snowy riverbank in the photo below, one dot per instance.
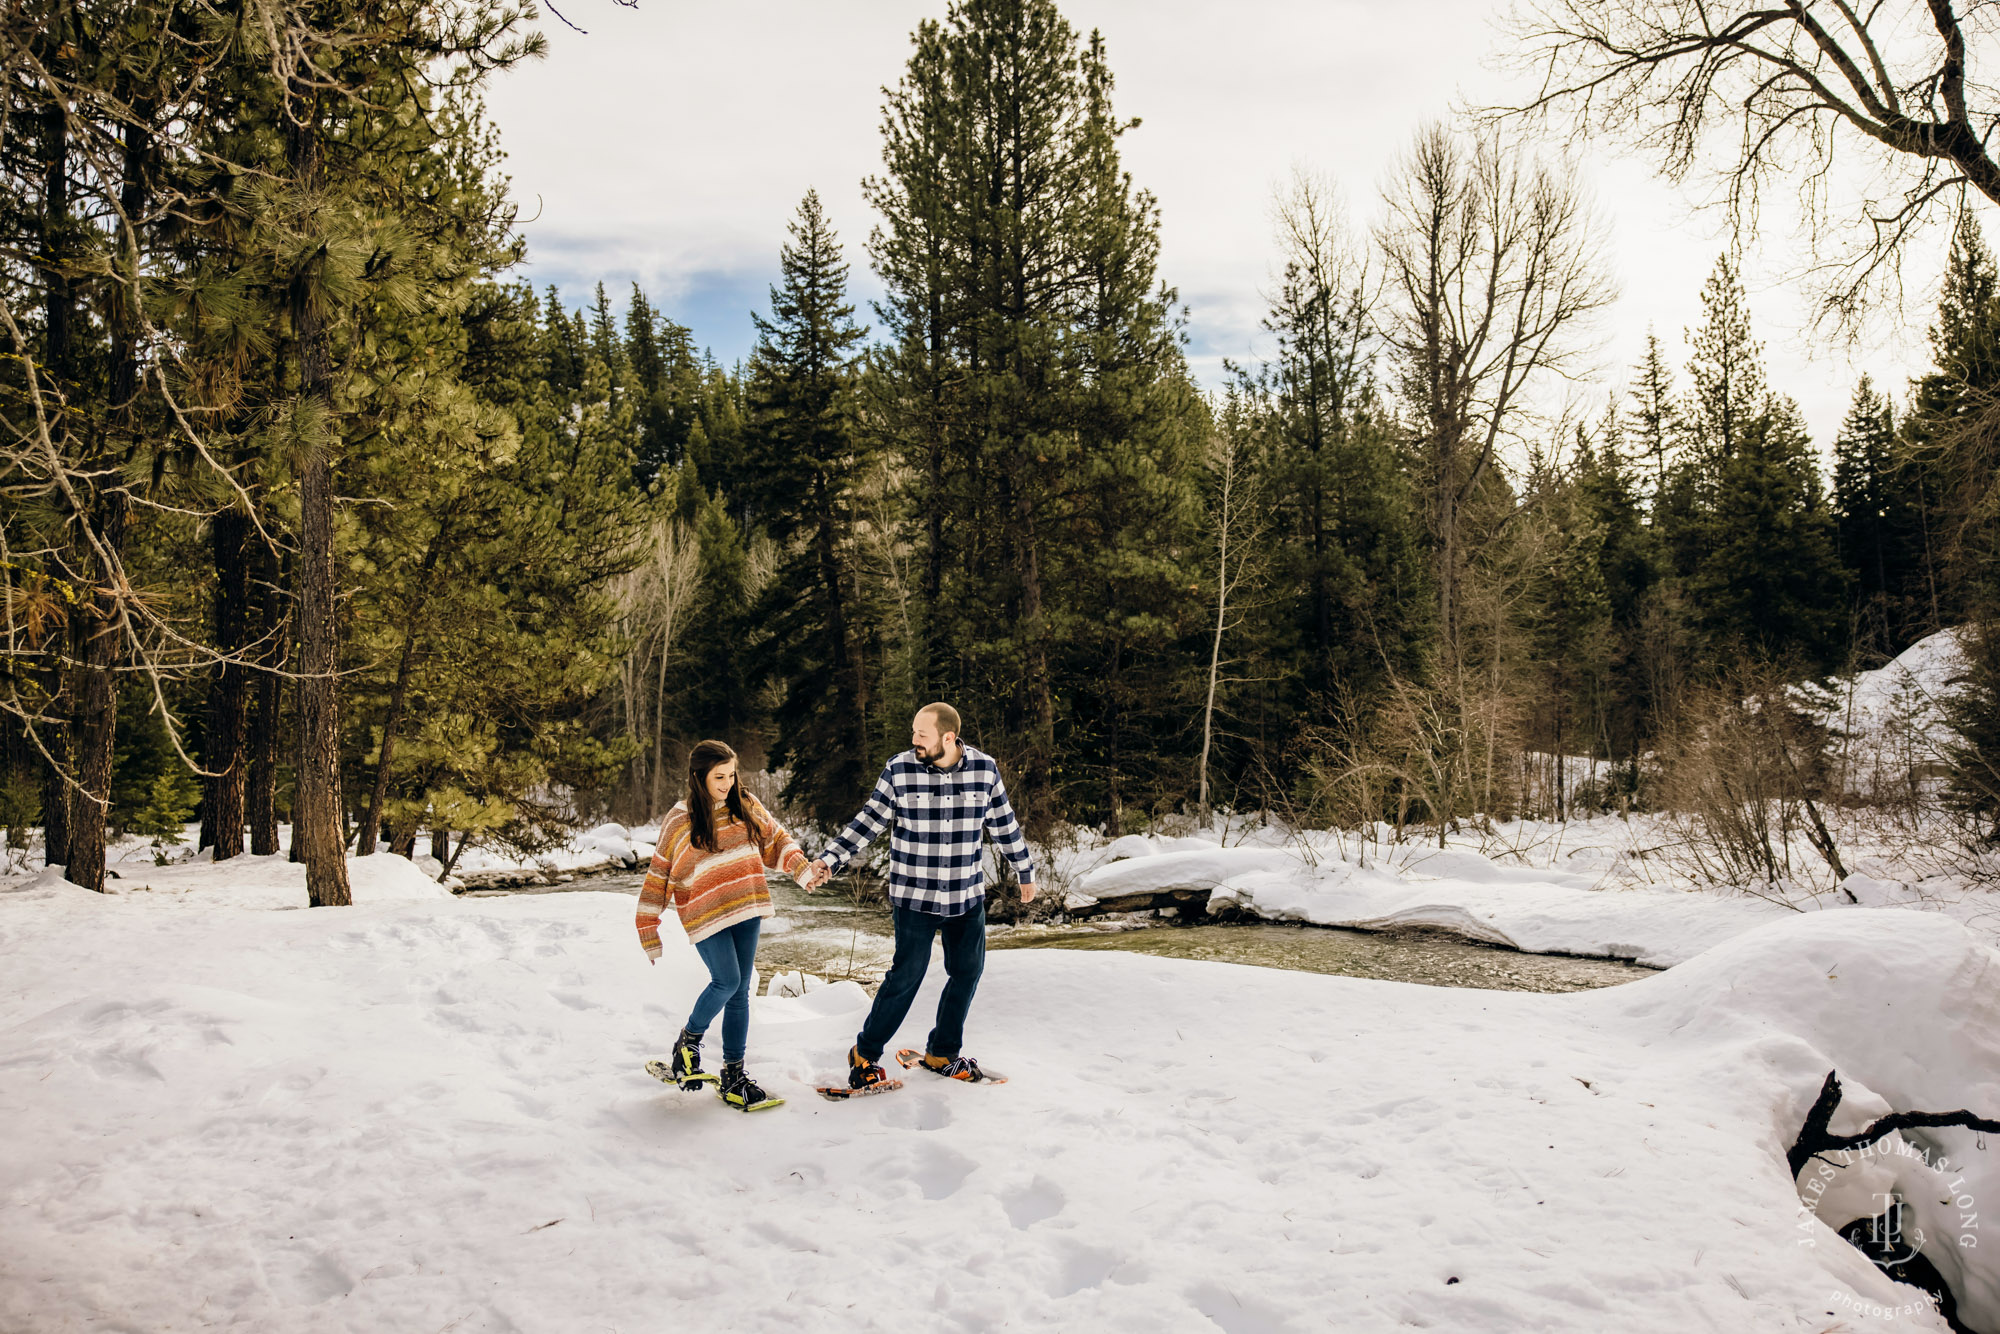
(1594, 886)
(430, 1113)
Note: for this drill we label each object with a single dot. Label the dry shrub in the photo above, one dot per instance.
(1742, 772)
(1421, 753)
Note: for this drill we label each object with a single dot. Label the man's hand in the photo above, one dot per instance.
(816, 874)
(1027, 892)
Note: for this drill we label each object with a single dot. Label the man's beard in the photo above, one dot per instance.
(926, 754)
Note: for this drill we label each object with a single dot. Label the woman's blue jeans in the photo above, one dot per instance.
(731, 956)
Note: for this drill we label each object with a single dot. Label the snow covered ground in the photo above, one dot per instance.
(605, 847)
(1890, 720)
(1579, 888)
(1611, 885)
(429, 1114)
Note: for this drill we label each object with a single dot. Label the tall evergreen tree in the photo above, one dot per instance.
(1569, 611)
(1726, 368)
(1952, 453)
(1953, 445)
(1652, 416)
(805, 452)
(1016, 259)
(1770, 582)
(1882, 512)
(1631, 571)
(1139, 425)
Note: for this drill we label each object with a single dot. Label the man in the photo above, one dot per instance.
(940, 794)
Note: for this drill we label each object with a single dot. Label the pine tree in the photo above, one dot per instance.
(1631, 569)
(1726, 368)
(1015, 258)
(1770, 582)
(1349, 607)
(716, 694)
(804, 453)
(1881, 509)
(1725, 401)
(1141, 428)
(1653, 417)
(563, 350)
(1950, 445)
(1569, 611)
(661, 354)
(1972, 710)
(605, 344)
(1949, 433)
(1322, 392)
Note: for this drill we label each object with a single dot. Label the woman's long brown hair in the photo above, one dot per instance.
(701, 807)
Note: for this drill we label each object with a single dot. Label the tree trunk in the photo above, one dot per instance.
(99, 622)
(440, 844)
(58, 306)
(99, 645)
(55, 786)
(318, 833)
(223, 806)
(842, 660)
(1215, 654)
(262, 799)
(927, 673)
(364, 845)
(1036, 777)
(464, 837)
(656, 797)
(365, 840)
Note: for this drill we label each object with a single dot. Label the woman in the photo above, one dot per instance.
(714, 851)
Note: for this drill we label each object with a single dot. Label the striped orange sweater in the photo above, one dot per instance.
(713, 891)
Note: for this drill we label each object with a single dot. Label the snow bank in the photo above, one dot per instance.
(606, 847)
(430, 1115)
(1905, 1007)
(1452, 889)
(1893, 716)
(1552, 889)
(244, 882)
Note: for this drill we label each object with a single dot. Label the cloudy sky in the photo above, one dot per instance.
(670, 144)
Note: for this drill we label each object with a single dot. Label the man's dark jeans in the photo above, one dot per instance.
(964, 959)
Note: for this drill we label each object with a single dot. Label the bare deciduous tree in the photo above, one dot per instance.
(1493, 266)
(1233, 512)
(1787, 85)
(653, 600)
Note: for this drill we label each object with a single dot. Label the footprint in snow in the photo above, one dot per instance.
(1039, 1199)
(939, 1172)
(1086, 1267)
(923, 1112)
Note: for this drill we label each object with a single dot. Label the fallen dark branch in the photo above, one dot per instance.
(1143, 900)
(1815, 1139)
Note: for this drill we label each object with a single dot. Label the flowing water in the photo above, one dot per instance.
(835, 936)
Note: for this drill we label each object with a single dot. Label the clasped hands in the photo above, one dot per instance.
(817, 873)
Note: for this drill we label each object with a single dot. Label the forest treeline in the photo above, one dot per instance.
(314, 512)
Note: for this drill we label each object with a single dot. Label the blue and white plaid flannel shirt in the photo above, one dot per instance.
(934, 857)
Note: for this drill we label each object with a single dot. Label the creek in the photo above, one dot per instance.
(835, 935)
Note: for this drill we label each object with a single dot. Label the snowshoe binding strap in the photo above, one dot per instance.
(862, 1073)
(686, 1068)
(950, 1067)
(743, 1092)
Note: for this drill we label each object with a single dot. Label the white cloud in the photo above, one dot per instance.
(671, 144)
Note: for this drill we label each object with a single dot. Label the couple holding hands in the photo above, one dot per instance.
(717, 846)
